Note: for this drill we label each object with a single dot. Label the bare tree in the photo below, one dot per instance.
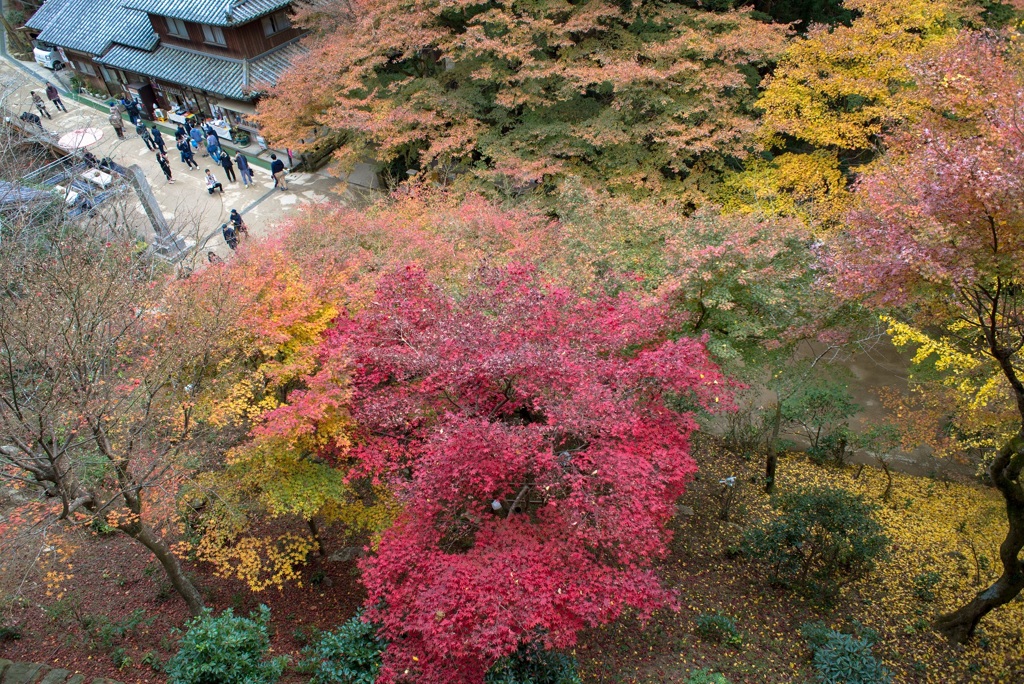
(100, 366)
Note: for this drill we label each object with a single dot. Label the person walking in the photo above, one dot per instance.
(187, 158)
(238, 224)
(164, 165)
(213, 145)
(131, 109)
(116, 121)
(53, 95)
(143, 132)
(277, 171)
(158, 139)
(180, 132)
(196, 134)
(212, 183)
(229, 168)
(38, 102)
(230, 236)
(242, 162)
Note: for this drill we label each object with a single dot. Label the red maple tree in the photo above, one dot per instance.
(538, 440)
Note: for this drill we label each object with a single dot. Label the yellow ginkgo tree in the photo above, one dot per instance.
(833, 93)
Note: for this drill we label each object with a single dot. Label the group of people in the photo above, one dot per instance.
(233, 229)
(53, 95)
(188, 141)
(192, 139)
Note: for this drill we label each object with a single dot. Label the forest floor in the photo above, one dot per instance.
(117, 616)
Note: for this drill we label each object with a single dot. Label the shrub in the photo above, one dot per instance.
(349, 655)
(103, 633)
(10, 633)
(718, 628)
(924, 585)
(821, 408)
(225, 649)
(532, 665)
(821, 538)
(706, 677)
(840, 658)
(352, 655)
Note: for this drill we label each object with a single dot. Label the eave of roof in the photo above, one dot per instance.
(231, 78)
(92, 26)
(213, 12)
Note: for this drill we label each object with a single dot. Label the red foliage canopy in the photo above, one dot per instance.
(538, 440)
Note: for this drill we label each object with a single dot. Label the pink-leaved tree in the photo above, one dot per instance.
(538, 441)
(938, 236)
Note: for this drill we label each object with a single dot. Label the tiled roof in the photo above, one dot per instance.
(92, 26)
(232, 78)
(215, 12)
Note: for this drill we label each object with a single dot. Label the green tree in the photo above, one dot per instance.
(634, 95)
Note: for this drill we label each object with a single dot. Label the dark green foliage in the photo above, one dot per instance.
(120, 658)
(153, 660)
(820, 539)
(821, 409)
(352, 655)
(104, 633)
(997, 14)
(349, 655)
(843, 658)
(924, 585)
(718, 628)
(531, 665)
(10, 633)
(706, 677)
(805, 12)
(225, 649)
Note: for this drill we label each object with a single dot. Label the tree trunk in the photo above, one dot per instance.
(182, 584)
(772, 463)
(959, 625)
(315, 531)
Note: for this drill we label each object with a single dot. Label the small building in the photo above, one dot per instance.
(205, 57)
(84, 30)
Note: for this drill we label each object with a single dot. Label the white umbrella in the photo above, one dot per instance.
(80, 138)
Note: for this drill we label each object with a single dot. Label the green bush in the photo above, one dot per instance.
(349, 655)
(924, 585)
(821, 409)
(706, 677)
(531, 665)
(103, 633)
(352, 655)
(718, 628)
(820, 539)
(225, 649)
(10, 633)
(840, 658)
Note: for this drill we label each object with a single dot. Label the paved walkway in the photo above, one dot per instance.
(189, 209)
(34, 673)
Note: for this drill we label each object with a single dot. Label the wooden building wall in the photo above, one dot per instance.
(246, 41)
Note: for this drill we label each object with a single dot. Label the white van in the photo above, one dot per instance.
(47, 55)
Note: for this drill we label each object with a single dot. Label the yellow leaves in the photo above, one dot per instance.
(259, 562)
(838, 87)
(979, 393)
(950, 529)
(806, 186)
(947, 356)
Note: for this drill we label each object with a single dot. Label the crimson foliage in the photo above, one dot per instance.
(538, 441)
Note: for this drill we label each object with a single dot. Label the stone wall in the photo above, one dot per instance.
(34, 673)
